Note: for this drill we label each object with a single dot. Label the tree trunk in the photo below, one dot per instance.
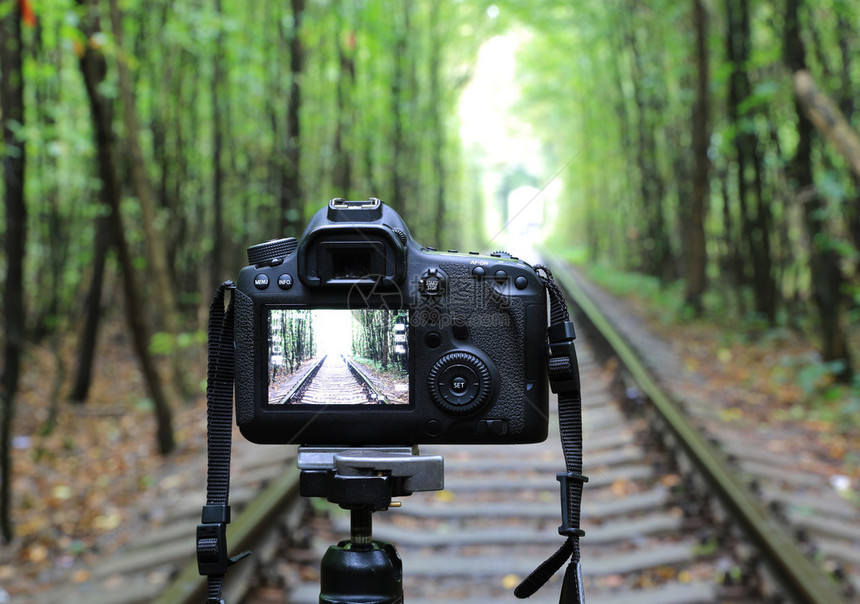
(158, 268)
(49, 313)
(216, 253)
(828, 119)
(437, 126)
(92, 312)
(697, 258)
(93, 67)
(755, 221)
(847, 103)
(291, 190)
(398, 115)
(827, 276)
(655, 249)
(342, 172)
(14, 161)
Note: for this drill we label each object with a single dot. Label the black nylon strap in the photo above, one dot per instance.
(219, 396)
(212, 557)
(545, 571)
(564, 377)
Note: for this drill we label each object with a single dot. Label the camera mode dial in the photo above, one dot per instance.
(272, 252)
(460, 383)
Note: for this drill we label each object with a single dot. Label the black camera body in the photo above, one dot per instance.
(356, 335)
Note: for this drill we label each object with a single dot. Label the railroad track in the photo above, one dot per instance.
(671, 513)
(496, 520)
(333, 379)
(797, 538)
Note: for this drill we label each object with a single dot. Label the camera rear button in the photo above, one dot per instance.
(491, 426)
(521, 282)
(433, 427)
(478, 272)
(501, 276)
(261, 281)
(433, 339)
(285, 281)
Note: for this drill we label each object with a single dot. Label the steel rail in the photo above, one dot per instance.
(791, 567)
(372, 391)
(304, 382)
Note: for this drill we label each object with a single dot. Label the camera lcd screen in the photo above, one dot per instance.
(338, 357)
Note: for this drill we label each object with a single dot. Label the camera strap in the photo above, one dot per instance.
(212, 559)
(563, 373)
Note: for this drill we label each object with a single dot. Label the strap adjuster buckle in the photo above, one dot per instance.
(212, 548)
(562, 367)
(569, 526)
(212, 559)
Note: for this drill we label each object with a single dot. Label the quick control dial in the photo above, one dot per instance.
(460, 383)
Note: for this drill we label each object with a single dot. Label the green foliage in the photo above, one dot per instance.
(373, 339)
(623, 111)
(171, 50)
(164, 343)
(609, 87)
(816, 377)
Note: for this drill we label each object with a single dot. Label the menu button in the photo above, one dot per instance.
(261, 281)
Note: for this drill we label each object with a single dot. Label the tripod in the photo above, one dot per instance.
(360, 570)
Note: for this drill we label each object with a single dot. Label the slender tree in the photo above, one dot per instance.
(656, 252)
(697, 259)
(753, 208)
(827, 278)
(104, 241)
(343, 152)
(93, 65)
(156, 245)
(218, 120)
(399, 111)
(291, 189)
(437, 126)
(14, 161)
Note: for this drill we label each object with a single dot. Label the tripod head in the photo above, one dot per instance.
(361, 570)
(367, 478)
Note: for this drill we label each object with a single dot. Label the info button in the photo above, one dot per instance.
(285, 281)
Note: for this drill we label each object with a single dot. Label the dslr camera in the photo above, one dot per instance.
(356, 335)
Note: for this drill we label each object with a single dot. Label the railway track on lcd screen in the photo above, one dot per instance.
(333, 379)
(669, 515)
